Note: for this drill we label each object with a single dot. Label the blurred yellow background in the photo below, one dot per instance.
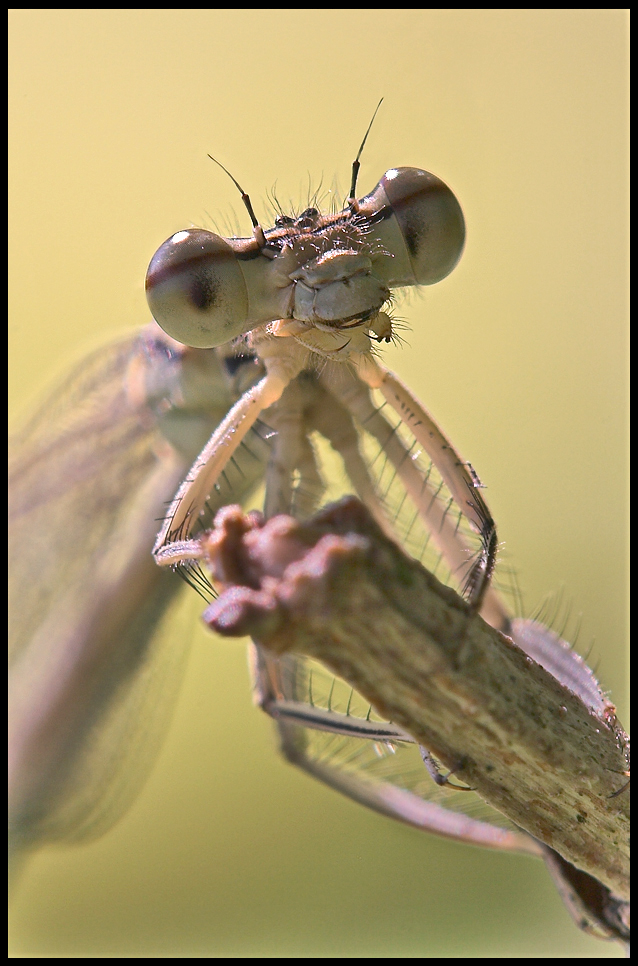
(521, 354)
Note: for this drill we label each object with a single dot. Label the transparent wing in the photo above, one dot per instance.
(92, 677)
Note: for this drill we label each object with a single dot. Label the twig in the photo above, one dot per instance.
(338, 590)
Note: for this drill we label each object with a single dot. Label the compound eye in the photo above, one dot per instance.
(196, 290)
(428, 218)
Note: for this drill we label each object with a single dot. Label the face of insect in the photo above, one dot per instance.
(329, 270)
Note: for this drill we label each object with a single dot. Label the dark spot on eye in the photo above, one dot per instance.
(282, 220)
(202, 292)
(414, 232)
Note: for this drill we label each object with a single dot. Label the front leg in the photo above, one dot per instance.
(459, 477)
(174, 543)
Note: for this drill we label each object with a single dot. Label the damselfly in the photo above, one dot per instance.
(282, 329)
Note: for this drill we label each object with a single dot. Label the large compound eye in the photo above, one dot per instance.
(196, 290)
(421, 224)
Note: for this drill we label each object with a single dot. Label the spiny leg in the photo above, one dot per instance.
(355, 395)
(329, 417)
(173, 543)
(270, 676)
(458, 475)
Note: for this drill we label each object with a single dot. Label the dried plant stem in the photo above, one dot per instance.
(337, 590)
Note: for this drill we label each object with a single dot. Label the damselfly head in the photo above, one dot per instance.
(324, 269)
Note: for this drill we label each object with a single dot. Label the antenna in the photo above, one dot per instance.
(355, 164)
(258, 231)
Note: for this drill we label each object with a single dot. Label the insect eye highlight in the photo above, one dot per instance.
(421, 223)
(195, 289)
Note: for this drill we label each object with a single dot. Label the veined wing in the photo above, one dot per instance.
(92, 677)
